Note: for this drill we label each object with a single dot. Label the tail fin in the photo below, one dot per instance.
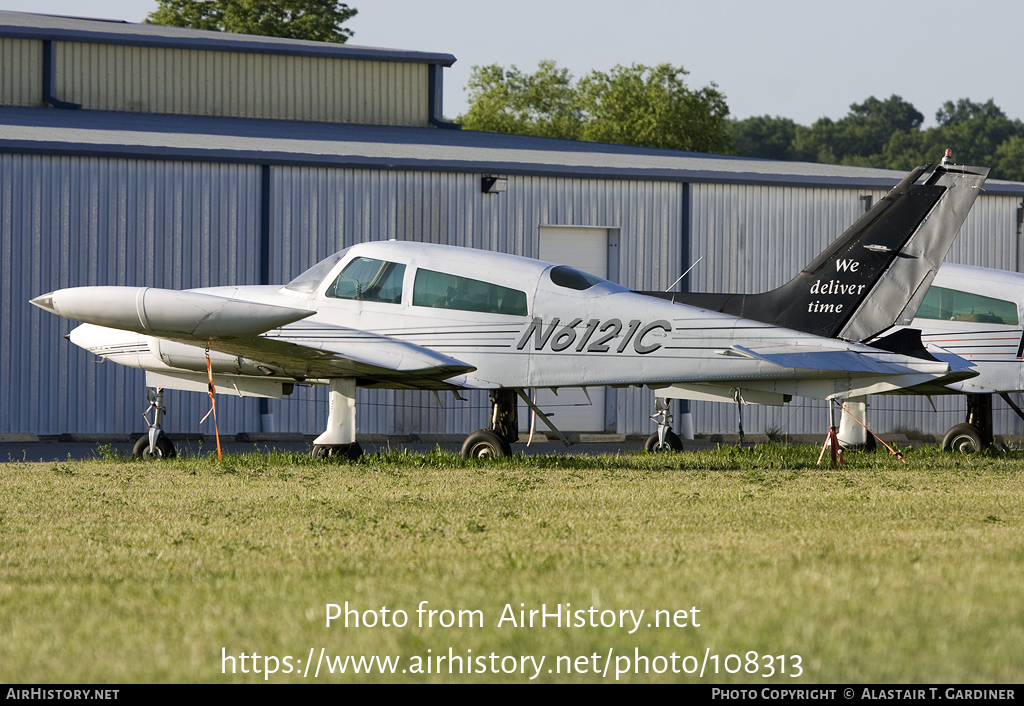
(877, 273)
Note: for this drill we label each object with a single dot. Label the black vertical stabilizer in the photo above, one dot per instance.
(872, 275)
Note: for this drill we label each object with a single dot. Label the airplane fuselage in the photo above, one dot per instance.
(517, 322)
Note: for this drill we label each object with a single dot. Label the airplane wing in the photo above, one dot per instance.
(317, 350)
(267, 335)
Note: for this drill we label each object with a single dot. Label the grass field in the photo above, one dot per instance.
(120, 571)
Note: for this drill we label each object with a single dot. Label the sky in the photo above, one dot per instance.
(791, 58)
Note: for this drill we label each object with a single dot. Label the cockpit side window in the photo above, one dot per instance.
(369, 280)
(444, 291)
(953, 305)
(571, 278)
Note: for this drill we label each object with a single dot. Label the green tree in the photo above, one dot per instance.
(652, 107)
(318, 20)
(966, 111)
(1009, 159)
(764, 137)
(543, 104)
(634, 105)
(887, 134)
(974, 131)
(860, 137)
(978, 133)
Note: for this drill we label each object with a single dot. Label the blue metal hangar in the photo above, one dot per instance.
(147, 155)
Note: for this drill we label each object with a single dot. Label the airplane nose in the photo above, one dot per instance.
(44, 301)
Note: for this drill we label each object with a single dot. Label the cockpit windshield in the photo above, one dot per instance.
(311, 278)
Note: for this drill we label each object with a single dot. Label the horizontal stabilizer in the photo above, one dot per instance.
(800, 358)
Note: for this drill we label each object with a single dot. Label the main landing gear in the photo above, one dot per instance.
(339, 439)
(496, 441)
(155, 444)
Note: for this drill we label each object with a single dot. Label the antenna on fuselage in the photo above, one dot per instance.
(684, 274)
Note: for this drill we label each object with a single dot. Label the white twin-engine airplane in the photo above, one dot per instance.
(432, 317)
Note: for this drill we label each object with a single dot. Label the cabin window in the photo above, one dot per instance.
(444, 291)
(368, 280)
(953, 305)
(571, 278)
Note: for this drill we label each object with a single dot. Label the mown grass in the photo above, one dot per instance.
(121, 571)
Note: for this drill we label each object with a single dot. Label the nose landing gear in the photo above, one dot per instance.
(664, 439)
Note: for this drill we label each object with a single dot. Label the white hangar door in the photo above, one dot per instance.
(585, 249)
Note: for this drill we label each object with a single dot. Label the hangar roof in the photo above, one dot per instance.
(24, 25)
(217, 139)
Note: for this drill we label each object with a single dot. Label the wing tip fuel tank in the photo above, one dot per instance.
(153, 311)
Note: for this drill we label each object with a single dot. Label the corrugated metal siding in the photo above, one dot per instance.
(180, 81)
(21, 72)
(67, 222)
(989, 235)
(78, 221)
(755, 238)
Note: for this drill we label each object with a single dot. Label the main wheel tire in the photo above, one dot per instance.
(672, 443)
(350, 452)
(963, 438)
(164, 448)
(485, 444)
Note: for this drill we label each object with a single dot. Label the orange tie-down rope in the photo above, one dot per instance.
(837, 451)
(213, 404)
(878, 438)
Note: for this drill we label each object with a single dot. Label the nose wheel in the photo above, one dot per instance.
(163, 449)
(664, 439)
(671, 442)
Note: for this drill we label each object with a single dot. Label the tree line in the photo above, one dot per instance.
(888, 135)
(651, 106)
